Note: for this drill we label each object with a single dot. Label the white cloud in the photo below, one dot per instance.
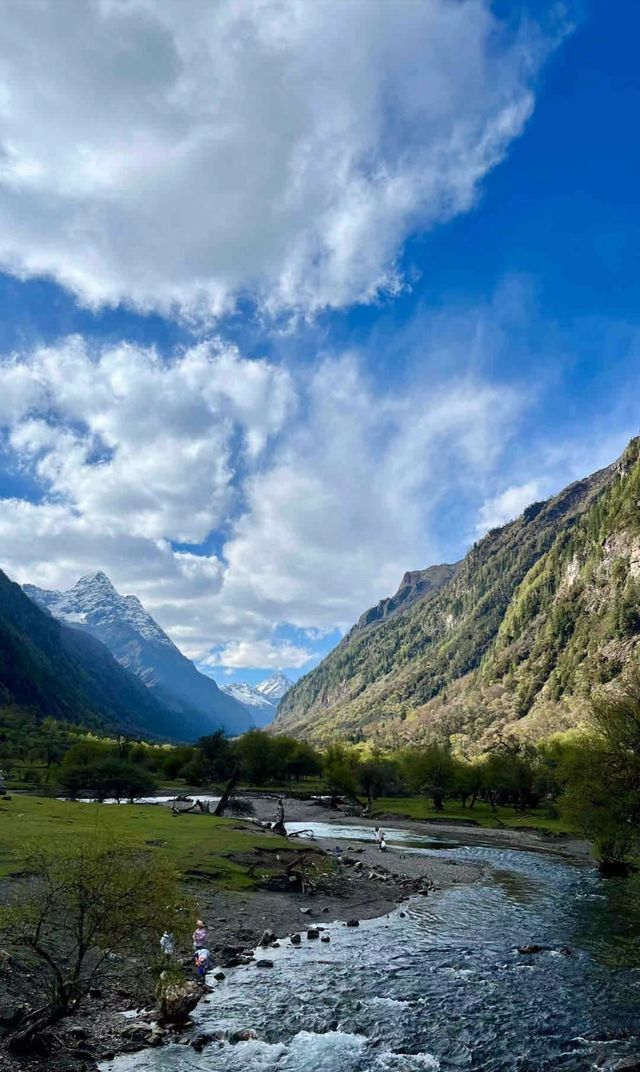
(347, 502)
(244, 654)
(506, 506)
(318, 490)
(179, 155)
(136, 443)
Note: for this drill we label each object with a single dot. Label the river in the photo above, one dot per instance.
(439, 984)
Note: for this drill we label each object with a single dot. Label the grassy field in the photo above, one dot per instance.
(199, 846)
(481, 813)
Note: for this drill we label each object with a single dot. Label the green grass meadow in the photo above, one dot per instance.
(481, 813)
(197, 845)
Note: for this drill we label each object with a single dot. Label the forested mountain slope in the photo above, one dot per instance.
(538, 612)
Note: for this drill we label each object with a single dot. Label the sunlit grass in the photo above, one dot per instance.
(197, 844)
(481, 813)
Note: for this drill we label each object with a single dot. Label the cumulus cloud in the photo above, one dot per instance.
(136, 443)
(181, 155)
(231, 495)
(506, 506)
(241, 654)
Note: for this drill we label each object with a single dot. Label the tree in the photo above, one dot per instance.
(340, 769)
(255, 755)
(603, 785)
(219, 759)
(81, 906)
(429, 770)
(110, 777)
(304, 762)
(378, 777)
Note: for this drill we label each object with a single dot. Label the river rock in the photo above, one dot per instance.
(202, 1039)
(177, 1001)
(353, 923)
(12, 1014)
(138, 1033)
(268, 937)
(325, 937)
(219, 975)
(247, 1034)
(527, 950)
(156, 1037)
(229, 956)
(295, 939)
(264, 963)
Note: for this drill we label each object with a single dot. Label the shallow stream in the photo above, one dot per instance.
(439, 984)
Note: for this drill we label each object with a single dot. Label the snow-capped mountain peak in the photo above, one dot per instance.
(274, 687)
(142, 647)
(93, 600)
(263, 699)
(245, 694)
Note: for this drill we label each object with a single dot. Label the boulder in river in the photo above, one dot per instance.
(527, 950)
(246, 1034)
(229, 956)
(177, 1000)
(263, 963)
(313, 932)
(295, 939)
(353, 923)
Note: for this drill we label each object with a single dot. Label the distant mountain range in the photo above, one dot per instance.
(194, 703)
(513, 639)
(261, 700)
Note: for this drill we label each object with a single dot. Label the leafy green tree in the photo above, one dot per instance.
(109, 778)
(340, 767)
(429, 770)
(303, 762)
(603, 786)
(255, 754)
(378, 777)
(509, 774)
(81, 907)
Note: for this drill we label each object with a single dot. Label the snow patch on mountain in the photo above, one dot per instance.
(142, 647)
(263, 699)
(93, 600)
(245, 694)
(274, 687)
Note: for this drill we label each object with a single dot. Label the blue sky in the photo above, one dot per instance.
(266, 348)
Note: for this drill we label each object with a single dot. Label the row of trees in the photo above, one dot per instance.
(591, 777)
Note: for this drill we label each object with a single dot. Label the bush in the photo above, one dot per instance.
(81, 908)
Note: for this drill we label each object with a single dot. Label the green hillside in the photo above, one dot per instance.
(538, 612)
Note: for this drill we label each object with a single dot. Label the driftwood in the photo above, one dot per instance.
(228, 793)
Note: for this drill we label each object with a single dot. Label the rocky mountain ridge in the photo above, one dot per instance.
(141, 646)
(262, 699)
(56, 670)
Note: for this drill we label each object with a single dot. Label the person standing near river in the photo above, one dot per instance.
(380, 838)
(200, 935)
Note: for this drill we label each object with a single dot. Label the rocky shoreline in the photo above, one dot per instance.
(363, 883)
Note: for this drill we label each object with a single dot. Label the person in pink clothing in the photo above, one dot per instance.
(200, 935)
